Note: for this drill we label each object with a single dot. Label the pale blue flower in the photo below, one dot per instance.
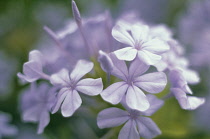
(36, 105)
(68, 98)
(133, 80)
(33, 69)
(140, 43)
(136, 125)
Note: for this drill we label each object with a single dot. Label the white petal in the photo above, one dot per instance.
(156, 46)
(137, 67)
(112, 117)
(71, 103)
(90, 86)
(140, 33)
(147, 128)
(148, 57)
(82, 67)
(191, 76)
(129, 131)
(115, 92)
(195, 102)
(127, 53)
(152, 82)
(61, 78)
(122, 35)
(36, 56)
(136, 99)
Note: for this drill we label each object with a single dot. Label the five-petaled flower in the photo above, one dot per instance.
(141, 44)
(36, 104)
(68, 98)
(136, 125)
(132, 81)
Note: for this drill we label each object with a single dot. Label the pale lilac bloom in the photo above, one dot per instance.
(36, 104)
(136, 124)
(162, 32)
(68, 98)
(33, 69)
(174, 59)
(141, 44)
(182, 92)
(70, 39)
(6, 129)
(133, 80)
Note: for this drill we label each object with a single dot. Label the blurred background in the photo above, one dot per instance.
(21, 30)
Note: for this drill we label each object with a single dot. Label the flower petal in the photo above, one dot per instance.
(112, 117)
(82, 67)
(32, 71)
(60, 98)
(136, 99)
(115, 92)
(43, 121)
(152, 82)
(36, 56)
(90, 86)
(191, 76)
(155, 104)
(60, 78)
(129, 131)
(71, 103)
(156, 46)
(127, 53)
(121, 35)
(148, 57)
(137, 67)
(140, 33)
(147, 128)
(31, 114)
(120, 69)
(187, 102)
(195, 102)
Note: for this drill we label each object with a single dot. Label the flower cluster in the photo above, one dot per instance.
(137, 59)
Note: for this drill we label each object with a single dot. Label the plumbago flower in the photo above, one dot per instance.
(141, 44)
(68, 98)
(33, 69)
(174, 59)
(181, 91)
(179, 74)
(36, 104)
(131, 84)
(136, 124)
(6, 130)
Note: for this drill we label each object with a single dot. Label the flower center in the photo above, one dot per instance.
(134, 114)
